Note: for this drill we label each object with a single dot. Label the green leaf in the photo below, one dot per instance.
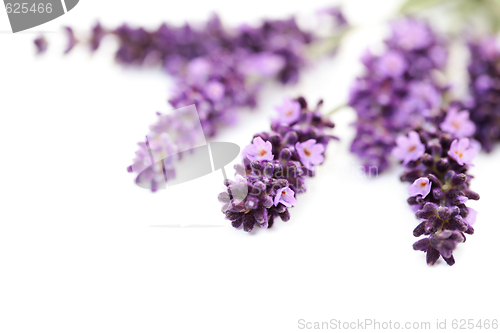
(414, 5)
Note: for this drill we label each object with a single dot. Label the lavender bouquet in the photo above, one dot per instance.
(275, 166)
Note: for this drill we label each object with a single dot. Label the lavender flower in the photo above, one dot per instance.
(259, 150)
(218, 89)
(286, 197)
(391, 65)
(463, 151)
(288, 112)
(397, 92)
(278, 46)
(439, 191)
(71, 39)
(458, 123)
(408, 148)
(484, 86)
(310, 153)
(265, 189)
(40, 44)
(420, 186)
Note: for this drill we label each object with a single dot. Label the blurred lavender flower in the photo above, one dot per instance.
(458, 123)
(214, 84)
(288, 112)
(276, 48)
(71, 39)
(40, 44)
(397, 91)
(270, 187)
(440, 189)
(391, 65)
(463, 151)
(484, 86)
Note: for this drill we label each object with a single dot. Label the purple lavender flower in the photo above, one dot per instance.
(288, 112)
(285, 196)
(71, 39)
(391, 64)
(420, 186)
(409, 148)
(276, 48)
(270, 187)
(40, 44)
(471, 216)
(259, 150)
(98, 33)
(458, 124)
(263, 64)
(398, 91)
(463, 151)
(484, 86)
(440, 190)
(446, 241)
(215, 91)
(161, 147)
(310, 153)
(411, 34)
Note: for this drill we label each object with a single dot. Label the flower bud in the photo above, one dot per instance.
(291, 138)
(427, 160)
(437, 193)
(458, 180)
(442, 165)
(285, 154)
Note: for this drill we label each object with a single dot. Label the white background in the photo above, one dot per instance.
(79, 250)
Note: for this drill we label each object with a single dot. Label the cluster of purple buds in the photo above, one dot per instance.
(398, 91)
(275, 166)
(437, 159)
(484, 74)
(219, 87)
(174, 47)
(167, 138)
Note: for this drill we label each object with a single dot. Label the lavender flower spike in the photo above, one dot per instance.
(270, 185)
(440, 191)
(484, 87)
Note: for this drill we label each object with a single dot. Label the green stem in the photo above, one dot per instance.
(341, 106)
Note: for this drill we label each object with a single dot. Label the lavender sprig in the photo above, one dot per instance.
(398, 90)
(174, 47)
(437, 160)
(484, 86)
(275, 167)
